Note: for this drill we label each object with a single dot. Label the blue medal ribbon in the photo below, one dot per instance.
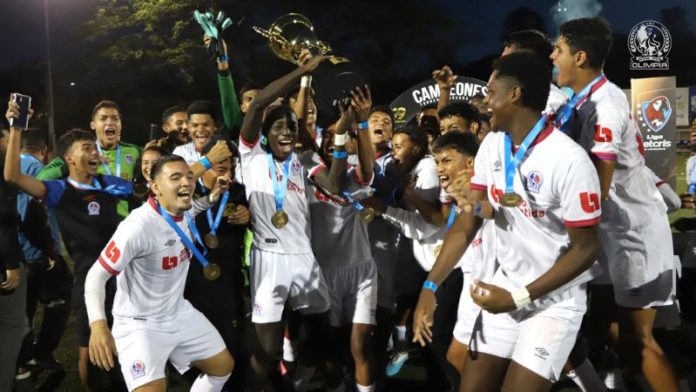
(565, 112)
(356, 204)
(118, 160)
(512, 163)
(122, 190)
(218, 217)
(279, 189)
(450, 219)
(692, 180)
(184, 238)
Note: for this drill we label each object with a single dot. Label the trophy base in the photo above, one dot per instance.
(334, 79)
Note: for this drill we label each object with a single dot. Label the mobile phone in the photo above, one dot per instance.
(24, 102)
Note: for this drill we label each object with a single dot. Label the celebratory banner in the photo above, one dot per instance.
(410, 102)
(653, 102)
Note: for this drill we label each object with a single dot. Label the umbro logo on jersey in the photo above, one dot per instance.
(170, 243)
(497, 166)
(541, 353)
(271, 241)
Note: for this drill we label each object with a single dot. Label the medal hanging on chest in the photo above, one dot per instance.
(513, 162)
(280, 218)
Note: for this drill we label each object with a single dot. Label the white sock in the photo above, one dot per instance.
(207, 383)
(288, 350)
(365, 388)
(340, 388)
(303, 375)
(586, 378)
(400, 333)
(614, 379)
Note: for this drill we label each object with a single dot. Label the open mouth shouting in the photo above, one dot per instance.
(110, 134)
(201, 138)
(444, 181)
(184, 194)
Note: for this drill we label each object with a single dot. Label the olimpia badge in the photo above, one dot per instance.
(649, 43)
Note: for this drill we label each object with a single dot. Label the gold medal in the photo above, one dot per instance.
(436, 251)
(211, 271)
(279, 219)
(510, 199)
(367, 214)
(211, 241)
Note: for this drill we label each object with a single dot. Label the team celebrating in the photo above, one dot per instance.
(504, 238)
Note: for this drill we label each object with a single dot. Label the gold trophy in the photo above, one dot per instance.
(333, 80)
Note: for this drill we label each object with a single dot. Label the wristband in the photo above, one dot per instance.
(223, 58)
(206, 163)
(362, 125)
(339, 155)
(340, 139)
(521, 297)
(430, 285)
(306, 81)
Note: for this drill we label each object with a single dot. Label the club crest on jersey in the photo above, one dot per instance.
(296, 168)
(129, 159)
(655, 113)
(534, 181)
(137, 369)
(93, 208)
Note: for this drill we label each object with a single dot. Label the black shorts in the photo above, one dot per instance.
(82, 330)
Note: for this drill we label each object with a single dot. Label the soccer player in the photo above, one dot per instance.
(341, 245)
(175, 125)
(84, 205)
(539, 43)
(637, 272)
(202, 126)
(283, 268)
(150, 254)
(117, 158)
(459, 116)
(538, 182)
(222, 229)
(151, 155)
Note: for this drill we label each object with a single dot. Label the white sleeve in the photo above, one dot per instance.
(201, 204)
(411, 224)
(611, 123)
(95, 292)
(670, 197)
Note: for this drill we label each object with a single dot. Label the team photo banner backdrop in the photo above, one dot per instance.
(411, 101)
(653, 102)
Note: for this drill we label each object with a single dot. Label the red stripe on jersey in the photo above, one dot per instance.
(605, 156)
(313, 172)
(541, 136)
(659, 183)
(594, 88)
(151, 201)
(583, 223)
(107, 267)
(250, 144)
(478, 187)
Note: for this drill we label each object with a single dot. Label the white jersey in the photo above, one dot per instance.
(556, 99)
(151, 263)
(295, 237)
(608, 132)
(669, 196)
(188, 152)
(690, 170)
(559, 187)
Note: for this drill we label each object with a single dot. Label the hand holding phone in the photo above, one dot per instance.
(19, 113)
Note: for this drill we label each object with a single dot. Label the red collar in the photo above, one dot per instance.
(151, 201)
(594, 88)
(541, 136)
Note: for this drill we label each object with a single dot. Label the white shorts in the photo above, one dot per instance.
(353, 293)
(277, 277)
(539, 336)
(144, 347)
(640, 264)
(467, 312)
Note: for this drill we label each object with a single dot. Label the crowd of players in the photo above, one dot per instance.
(343, 246)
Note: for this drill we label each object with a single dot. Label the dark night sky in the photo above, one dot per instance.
(480, 21)
(467, 43)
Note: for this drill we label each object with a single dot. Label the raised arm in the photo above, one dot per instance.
(361, 101)
(11, 171)
(252, 120)
(330, 179)
(445, 80)
(231, 113)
